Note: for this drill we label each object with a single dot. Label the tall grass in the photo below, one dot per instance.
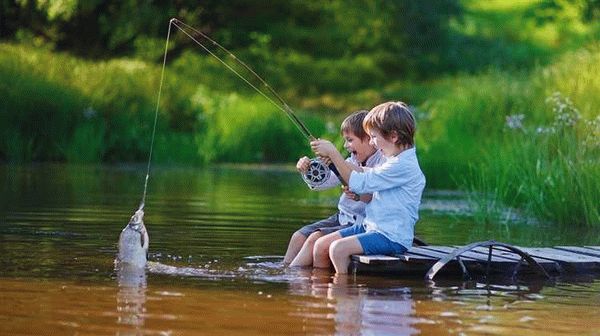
(252, 130)
(34, 123)
(60, 108)
(516, 144)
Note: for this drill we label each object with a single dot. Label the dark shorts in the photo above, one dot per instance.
(373, 242)
(325, 226)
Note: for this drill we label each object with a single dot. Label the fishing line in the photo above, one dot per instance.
(283, 107)
(317, 172)
(162, 76)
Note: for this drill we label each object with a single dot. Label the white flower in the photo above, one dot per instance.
(331, 128)
(565, 112)
(515, 121)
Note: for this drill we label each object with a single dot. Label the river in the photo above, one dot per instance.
(216, 237)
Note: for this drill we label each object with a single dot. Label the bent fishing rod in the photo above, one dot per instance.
(318, 171)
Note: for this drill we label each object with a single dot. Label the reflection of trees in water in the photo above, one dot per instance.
(131, 299)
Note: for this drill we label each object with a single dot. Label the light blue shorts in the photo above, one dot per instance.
(372, 242)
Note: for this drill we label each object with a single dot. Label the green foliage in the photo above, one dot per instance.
(87, 141)
(329, 59)
(104, 112)
(250, 130)
(550, 172)
(407, 37)
(37, 115)
(475, 136)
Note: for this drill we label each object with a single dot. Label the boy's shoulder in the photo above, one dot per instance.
(376, 159)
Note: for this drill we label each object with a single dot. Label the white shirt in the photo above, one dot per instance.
(351, 211)
(397, 186)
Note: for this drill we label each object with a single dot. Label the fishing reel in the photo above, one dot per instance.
(318, 172)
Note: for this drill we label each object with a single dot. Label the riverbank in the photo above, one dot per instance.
(528, 140)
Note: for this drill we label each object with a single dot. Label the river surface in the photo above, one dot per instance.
(216, 240)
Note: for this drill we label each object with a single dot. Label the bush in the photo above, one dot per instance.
(250, 129)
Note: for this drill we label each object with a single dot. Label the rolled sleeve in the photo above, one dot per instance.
(381, 178)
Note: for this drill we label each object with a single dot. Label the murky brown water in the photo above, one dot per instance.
(212, 232)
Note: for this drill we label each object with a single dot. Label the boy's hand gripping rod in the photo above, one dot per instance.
(318, 171)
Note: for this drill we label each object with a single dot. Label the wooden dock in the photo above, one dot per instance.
(483, 258)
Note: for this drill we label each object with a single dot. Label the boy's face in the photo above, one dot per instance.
(361, 149)
(387, 146)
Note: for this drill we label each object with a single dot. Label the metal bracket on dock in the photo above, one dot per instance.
(490, 243)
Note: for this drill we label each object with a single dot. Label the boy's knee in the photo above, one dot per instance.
(336, 249)
(321, 247)
(314, 236)
(298, 236)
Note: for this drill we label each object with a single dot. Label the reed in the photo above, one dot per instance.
(525, 141)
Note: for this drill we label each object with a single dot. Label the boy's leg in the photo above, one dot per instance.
(305, 256)
(363, 243)
(294, 247)
(321, 250)
(341, 250)
(299, 237)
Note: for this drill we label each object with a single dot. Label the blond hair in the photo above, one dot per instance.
(392, 117)
(354, 123)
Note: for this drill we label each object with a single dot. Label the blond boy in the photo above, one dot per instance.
(396, 186)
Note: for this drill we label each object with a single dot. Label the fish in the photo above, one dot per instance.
(133, 243)
(130, 265)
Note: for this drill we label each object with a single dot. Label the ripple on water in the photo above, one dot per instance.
(58, 240)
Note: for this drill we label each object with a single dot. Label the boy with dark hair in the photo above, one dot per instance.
(351, 206)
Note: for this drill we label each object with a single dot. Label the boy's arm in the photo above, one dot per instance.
(366, 198)
(326, 148)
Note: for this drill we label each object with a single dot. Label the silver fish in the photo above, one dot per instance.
(133, 242)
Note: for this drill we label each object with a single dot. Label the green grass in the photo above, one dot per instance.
(56, 107)
(60, 108)
(545, 169)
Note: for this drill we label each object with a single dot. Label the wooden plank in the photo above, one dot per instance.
(377, 259)
(559, 255)
(380, 259)
(551, 266)
(580, 250)
(501, 252)
(471, 254)
(418, 257)
(430, 251)
(427, 252)
(417, 260)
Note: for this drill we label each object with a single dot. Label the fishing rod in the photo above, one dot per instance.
(283, 105)
(318, 171)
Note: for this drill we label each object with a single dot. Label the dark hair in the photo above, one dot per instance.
(392, 117)
(354, 123)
